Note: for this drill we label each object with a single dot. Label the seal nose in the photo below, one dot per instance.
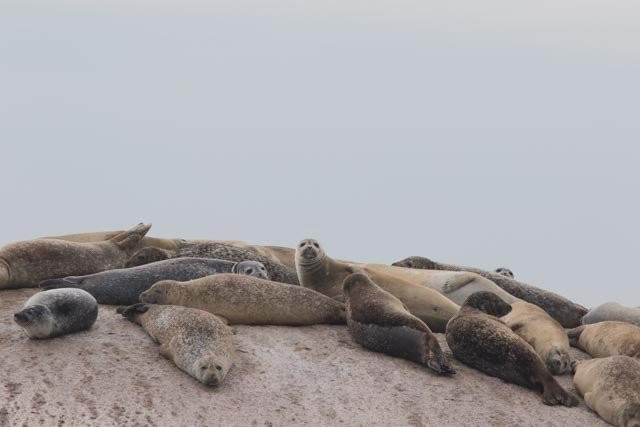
(20, 317)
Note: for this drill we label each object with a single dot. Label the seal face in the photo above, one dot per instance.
(124, 286)
(198, 342)
(610, 388)
(57, 312)
(543, 333)
(380, 322)
(607, 339)
(479, 339)
(27, 263)
(249, 300)
(567, 313)
(613, 311)
(211, 249)
(504, 272)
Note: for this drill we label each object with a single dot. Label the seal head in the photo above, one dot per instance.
(251, 268)
(36, 320)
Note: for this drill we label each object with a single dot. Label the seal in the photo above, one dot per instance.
(567, 313)
(547, 337)
(99, 236)
(613, 311)
(249, 300)
(198, 342)
(124, 286)
(27, 263)
(211, 249)
(610, 388)
(380, 322)
(57, 312)
(326, 275)
(607, 338)
(504, 272)
(479, 339)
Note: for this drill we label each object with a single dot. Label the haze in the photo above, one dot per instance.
(488, 134)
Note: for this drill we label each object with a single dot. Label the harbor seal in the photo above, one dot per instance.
(504, 271)
(610, 388)
(248, 300)
(211, 249)
(612, 311)
(326, 275)
(607, 339)
(124, 286)
(98, 236)
(479, 339)
(380, 322)
(27, 263)
(198, 342)
(567, 313)
(547, 337)
(57, 312)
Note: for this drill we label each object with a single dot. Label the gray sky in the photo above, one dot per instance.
(491, 134)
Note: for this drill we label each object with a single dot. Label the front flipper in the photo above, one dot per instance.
(456, 282)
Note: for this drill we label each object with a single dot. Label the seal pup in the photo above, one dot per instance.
(479, 339)
(27, 263)
(198, 342)
(610, 388)
(612, 311)
(504, 272)
(249, 300)
(57, 312)
(381, 322)
(124, 286)
(326, 275)
(547, 337)
(607, 338)
(567, 313)
(210, 249)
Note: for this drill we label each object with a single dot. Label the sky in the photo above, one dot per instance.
(489, 134)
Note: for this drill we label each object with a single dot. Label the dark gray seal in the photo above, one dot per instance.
(479, 339)
(209, 249)
(567, 313)
(381, 322)
(504, 271)
(57, 312)
(27, 263)
(124, 286)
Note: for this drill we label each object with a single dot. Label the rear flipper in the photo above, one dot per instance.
(554, 394)
(67, 282)
(574, 335)
(132, 310)
(558, 361)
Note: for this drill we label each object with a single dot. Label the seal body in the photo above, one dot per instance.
(124, 286)
(610, 387)
(607, 339)
(57, 312)
(211, 249)
(249, 300)
(198, 342)
(543, 333)
(323, 274)
(567, 313)
(98, 236)
(380, 322)
(613, 311)
(479, 339)
(25, 264)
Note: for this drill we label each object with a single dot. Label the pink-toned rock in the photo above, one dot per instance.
(113, 375)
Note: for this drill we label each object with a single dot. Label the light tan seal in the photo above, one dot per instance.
(611, 387)
(198, 342)
(380, 322)
(543, 333)
(607, 339)
(479, 339)
(99, 236)
(27, 263)
(249, 300)
(317, 271)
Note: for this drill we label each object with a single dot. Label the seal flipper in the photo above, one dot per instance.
(574, 335)
(129, 239)
(456, 282)
(132, 310)
(66, 282)
(554, 394)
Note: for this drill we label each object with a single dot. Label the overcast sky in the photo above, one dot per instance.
(493, 133)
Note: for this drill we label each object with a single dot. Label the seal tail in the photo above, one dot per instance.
(67, 282)
(128, 240)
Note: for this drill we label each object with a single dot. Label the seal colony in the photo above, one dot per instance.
(184, 293)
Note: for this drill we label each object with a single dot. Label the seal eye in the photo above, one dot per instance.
(316, 245)
(250, 271)
(302, 244)
(219, 368)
